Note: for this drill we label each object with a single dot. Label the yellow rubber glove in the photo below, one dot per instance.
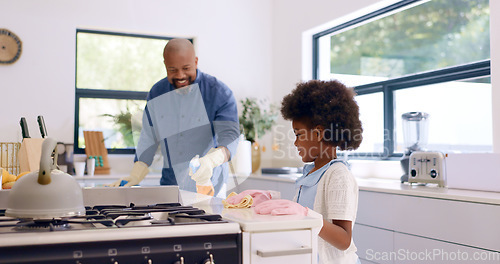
(137, 174)
(214, 158)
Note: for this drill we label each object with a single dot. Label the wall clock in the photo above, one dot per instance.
(10, 46)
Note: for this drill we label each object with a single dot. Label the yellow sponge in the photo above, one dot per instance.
(246, 202)
(7, 177)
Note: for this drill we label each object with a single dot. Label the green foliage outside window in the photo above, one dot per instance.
(432, 35)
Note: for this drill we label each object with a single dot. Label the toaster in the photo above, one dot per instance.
(427, 167)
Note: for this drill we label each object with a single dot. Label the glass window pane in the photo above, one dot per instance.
(424, 37)
(371, 113)
(114, 62)
(460, 116)
(119, 120)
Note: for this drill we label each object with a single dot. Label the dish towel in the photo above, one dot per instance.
(280, 207)
(249, 198)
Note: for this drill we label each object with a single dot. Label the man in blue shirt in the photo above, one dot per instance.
(188, 113)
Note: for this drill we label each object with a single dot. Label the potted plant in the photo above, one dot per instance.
(255, 121)
(128, 124)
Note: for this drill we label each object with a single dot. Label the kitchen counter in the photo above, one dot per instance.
(285, 183)
(395, 187)
(267, 238)
(428, 191)
(248, 219)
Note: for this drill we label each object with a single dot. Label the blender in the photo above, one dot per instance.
(415, 132)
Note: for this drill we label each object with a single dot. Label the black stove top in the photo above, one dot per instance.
(114, 216)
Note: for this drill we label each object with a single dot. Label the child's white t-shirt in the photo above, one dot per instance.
(337, 198)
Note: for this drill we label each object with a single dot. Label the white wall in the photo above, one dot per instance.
(233, 42)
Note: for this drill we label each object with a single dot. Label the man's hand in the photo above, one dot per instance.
(214, 158)
(137, 174)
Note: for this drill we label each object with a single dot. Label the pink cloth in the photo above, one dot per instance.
(280, 207)
(258, 197)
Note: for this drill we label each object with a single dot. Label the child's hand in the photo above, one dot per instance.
(280, 207)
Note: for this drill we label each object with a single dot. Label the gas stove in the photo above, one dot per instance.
(159, 225)
(113, 216)
(124, 232)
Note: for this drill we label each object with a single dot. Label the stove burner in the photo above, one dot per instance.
(42, 225)
(114, 216)
(125, 221)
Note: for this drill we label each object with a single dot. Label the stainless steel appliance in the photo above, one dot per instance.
(427, 167)
(123, 225)
(415, 131)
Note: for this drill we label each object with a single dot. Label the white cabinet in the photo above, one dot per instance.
(377, 245)
(409, 227)
(373, 243)
(414, 249)
(279, 247)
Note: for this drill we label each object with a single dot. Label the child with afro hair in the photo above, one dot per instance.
(325, 117)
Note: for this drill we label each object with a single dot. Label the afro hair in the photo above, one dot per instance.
(329, 104)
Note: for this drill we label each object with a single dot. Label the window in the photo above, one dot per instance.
(464, 123)
(428, 56)
(114, 72)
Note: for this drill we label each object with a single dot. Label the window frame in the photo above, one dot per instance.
(478, 69)
(82, 92)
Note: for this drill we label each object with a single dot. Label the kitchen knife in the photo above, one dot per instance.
(41, 124)
(24, 128)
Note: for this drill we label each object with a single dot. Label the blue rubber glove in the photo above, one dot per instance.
(137, 174)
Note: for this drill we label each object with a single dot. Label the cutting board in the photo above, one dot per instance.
(95, 148)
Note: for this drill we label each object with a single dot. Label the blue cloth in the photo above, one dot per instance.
(307, 184)
(187, 122)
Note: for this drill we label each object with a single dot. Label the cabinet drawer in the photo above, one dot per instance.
(282, 247)
(439, 219)
(372, 243)
(412, 249)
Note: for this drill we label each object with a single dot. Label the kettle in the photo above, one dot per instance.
(46, 193)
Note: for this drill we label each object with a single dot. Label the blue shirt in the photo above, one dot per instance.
(186, 122)
(307, 184)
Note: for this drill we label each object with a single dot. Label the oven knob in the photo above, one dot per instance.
(180, 261)
(209, 260)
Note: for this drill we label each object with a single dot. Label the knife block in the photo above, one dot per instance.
(29, 154)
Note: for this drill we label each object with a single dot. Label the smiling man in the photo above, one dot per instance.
(188, 113)
(181, 62)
